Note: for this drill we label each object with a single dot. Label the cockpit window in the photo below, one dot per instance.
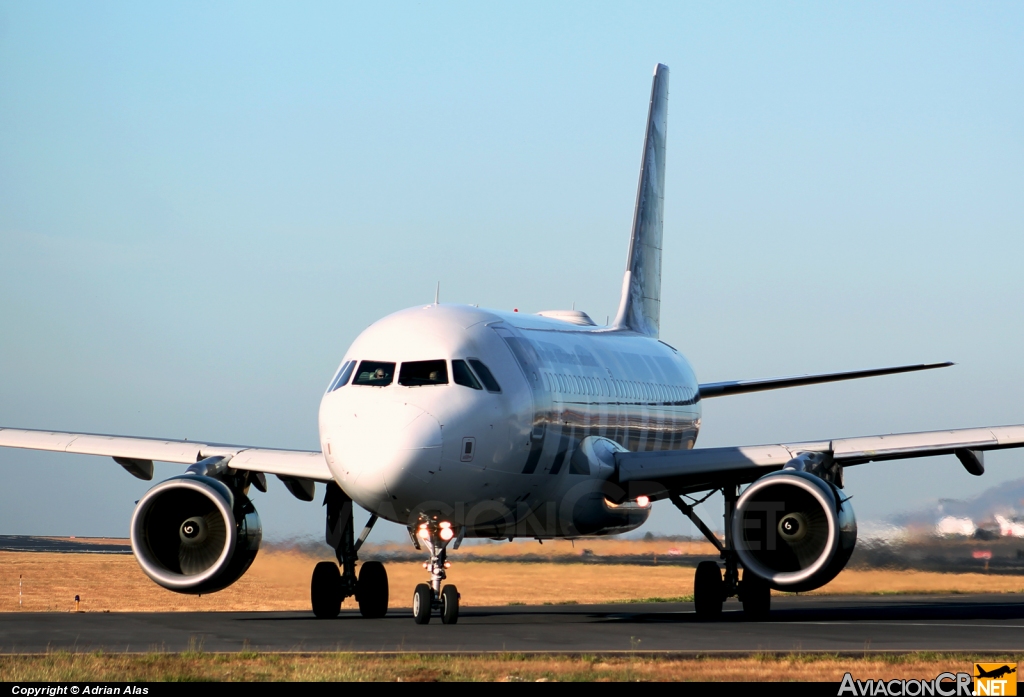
(485, 375)
(344, 373)
(375, 373)
(462, 375)
(420, 373)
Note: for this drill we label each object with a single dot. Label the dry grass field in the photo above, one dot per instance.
(502, 668)
(279, 580)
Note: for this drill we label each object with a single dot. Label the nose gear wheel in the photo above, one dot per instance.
(430, 597)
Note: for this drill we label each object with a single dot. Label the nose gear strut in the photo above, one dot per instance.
(429, 597)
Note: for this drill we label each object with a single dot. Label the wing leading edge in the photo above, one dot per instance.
(657, 474)
(721, 389)
(138, 454)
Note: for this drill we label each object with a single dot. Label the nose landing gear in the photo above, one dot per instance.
(429, 597)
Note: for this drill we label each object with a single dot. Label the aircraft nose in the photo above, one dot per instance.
(388, 447)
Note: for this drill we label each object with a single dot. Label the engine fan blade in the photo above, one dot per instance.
(197, 558)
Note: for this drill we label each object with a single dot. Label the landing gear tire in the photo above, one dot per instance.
(421, 601)
(756, 596)
(372, 589)
(325, 590)
(449, 605)
(708, 591)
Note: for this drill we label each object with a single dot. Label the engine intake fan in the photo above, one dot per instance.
(794, 530)
(192, 534)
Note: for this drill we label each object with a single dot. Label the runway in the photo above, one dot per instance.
(977, 623)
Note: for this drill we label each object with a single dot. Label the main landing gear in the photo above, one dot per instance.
(330, 585)
(429, 597)
(710, 589)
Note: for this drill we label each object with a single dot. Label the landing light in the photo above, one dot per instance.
(447, 533)
(424, 534)
(445, 524)
(643, 501)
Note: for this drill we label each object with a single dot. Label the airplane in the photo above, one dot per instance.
(994, 673)
(459, 422)
(1009, 528)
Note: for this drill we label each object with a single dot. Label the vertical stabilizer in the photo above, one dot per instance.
(640, 307)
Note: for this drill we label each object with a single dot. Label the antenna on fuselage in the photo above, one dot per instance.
(437, 292)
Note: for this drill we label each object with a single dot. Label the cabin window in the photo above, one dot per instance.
(344, 373)
(482, 371)
(462, 375)
(421, 373)
(375, 374)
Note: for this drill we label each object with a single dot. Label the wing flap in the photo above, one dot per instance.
(136, 448)
(852, 451)
(308, 464)
(35, 440)
(683, 471)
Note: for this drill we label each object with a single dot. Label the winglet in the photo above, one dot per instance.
(640, 305)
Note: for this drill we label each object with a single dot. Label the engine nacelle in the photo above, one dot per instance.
(794, 530)
(192, 534)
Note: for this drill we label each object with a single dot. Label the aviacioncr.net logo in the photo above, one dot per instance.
(995, 679)
(942, 685)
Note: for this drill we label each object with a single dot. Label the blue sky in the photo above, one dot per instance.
(202, 205)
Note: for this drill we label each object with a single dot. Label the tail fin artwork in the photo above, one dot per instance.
(640, 306)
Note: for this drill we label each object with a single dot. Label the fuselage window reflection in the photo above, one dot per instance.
(484, 373)
(462, 375)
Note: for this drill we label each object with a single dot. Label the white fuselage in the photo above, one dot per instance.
(501, 464)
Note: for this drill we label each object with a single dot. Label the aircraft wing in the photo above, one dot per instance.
(137, 454)
(657, 474)
(721, 389)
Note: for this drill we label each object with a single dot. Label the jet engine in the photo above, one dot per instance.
(794, 529)
(193, 534)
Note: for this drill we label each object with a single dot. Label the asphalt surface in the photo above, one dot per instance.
(835, 624)
(65, 545)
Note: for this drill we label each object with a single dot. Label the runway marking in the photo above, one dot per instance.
(896, 623)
